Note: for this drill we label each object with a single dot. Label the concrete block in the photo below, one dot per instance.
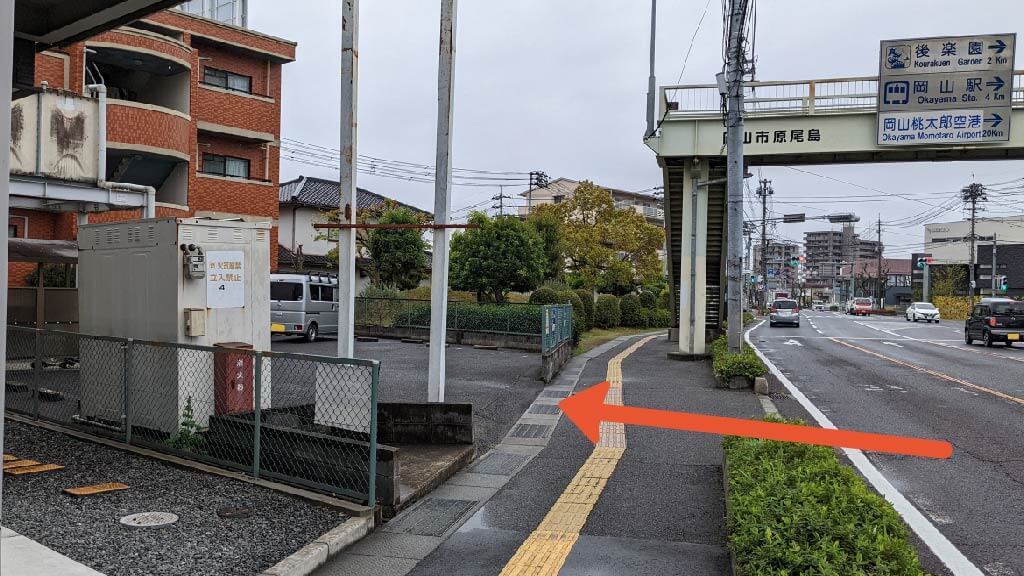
(761, 385)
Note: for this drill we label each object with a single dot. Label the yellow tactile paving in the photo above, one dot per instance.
(545, 551)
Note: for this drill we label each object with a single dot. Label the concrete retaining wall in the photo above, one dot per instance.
(527, 342)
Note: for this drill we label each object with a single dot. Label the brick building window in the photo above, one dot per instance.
(12, 230)
(225, 166)
(228, 80)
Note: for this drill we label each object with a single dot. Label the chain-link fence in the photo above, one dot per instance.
(507, 318)
(300, 419)
(557, 326)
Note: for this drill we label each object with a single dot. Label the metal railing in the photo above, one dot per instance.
(557, 326)
(786, 98)
(300, 419)
(508, 318)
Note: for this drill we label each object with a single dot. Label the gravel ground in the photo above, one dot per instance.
(200, 543)
(501, 384)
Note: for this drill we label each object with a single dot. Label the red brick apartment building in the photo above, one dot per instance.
(193, 110)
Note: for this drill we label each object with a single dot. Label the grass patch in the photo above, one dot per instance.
(795, 509)
(594, 338)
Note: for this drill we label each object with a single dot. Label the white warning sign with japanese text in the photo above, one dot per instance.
(225, 279)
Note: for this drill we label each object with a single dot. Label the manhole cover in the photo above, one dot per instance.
(234, 512)
(149, 519)
(433, 517)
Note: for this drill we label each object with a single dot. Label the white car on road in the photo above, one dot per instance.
(922, 311)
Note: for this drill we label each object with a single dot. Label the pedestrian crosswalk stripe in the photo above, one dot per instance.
(544, 552)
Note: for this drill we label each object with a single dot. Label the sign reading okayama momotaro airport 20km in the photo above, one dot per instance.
(952, 90)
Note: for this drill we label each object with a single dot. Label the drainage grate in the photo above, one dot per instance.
(530, 431)
(433, 517)
(555, 393)
(545, 409)
(500, 463)
(779, 396)
(149, 519)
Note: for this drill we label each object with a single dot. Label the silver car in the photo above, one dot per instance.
(784, 312)
(305, 305)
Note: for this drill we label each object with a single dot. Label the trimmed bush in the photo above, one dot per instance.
(423, 293)
(953, 307)
(661, 319)
(646, 315)
(629, 307)
(579, 314)
(502, 319)
(587, 298)
(726, 365)
(606, 312)
(795, 509)
(545, 296)
(649, 299)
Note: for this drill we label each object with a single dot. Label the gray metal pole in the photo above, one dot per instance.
(651, 80)
(693, 264)
(734, 123)
(995, 242)
(927, 280)
(442, 204)
(349, 154)
(6, 75)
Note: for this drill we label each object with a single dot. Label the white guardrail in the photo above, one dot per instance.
(807, 97)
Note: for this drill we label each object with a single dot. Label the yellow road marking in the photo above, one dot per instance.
(34, 469)
(544, 552)
(96, 489)
(971, 350)
(19, 464)
(941, 375)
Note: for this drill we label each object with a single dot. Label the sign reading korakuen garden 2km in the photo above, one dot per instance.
(952, 90)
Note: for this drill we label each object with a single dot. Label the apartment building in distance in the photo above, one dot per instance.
(827, 250)
(191, 103)
(561, 189)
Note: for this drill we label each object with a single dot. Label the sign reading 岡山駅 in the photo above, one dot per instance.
(951, 90)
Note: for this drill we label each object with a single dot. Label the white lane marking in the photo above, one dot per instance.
(818, 331)
(943, 549)
(793, 343)
(892, 344)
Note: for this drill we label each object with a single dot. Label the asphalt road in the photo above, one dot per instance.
(883, 374)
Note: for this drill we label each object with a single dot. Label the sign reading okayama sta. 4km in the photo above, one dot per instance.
(951, 90)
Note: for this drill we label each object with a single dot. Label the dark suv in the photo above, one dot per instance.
(995, 320)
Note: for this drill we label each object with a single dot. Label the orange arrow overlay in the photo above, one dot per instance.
(587, 410)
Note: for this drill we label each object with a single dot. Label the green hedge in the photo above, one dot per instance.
(795, 509)
(545, 296)
(606, 312)
(587, 299)
(649, 299)
(629, 308)
(726, 365)
(661, 319)
(508, 319)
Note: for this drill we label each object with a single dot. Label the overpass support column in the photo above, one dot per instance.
(693, 260)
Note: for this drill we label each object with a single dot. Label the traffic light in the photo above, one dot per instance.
(1004, 283)
(922, 262)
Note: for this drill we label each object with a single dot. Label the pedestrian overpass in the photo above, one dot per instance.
(828, 121)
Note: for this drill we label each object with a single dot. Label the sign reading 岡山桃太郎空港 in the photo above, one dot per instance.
(949, 90)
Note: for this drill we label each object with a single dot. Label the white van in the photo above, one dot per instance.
(304, 305)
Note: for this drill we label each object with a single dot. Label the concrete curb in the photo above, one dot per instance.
(317, 552)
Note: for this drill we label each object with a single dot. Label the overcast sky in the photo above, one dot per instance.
(559, 86)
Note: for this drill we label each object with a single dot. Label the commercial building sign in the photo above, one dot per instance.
(225, 279)
(950, 90)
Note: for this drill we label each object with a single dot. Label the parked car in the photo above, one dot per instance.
(305, 305)
(784, 311)
(995, 320)
(859, 306)
(922, 311)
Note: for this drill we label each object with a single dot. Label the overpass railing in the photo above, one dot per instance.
(788, 98)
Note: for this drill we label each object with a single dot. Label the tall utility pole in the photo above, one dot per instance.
(971, 195)
(651, 80)
(878, 271)
(735, 70)
(500, 199)
(347, 181)
(6, 77)
(763, 192)
(995, 241)
(442, 204)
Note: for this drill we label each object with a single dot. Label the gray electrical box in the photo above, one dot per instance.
(195, 322)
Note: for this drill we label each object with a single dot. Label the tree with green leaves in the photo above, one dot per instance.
(504, 254)
(397, 256)
(548, 224)
(605, 248)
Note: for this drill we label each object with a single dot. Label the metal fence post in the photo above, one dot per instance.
(37, 372)
(371, 485)
(257, 415)
(129, 346)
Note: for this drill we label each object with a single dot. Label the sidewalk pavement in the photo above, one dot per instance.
(660, 512)
(21, 555)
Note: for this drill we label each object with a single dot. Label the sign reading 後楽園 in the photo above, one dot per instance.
(952, 90)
